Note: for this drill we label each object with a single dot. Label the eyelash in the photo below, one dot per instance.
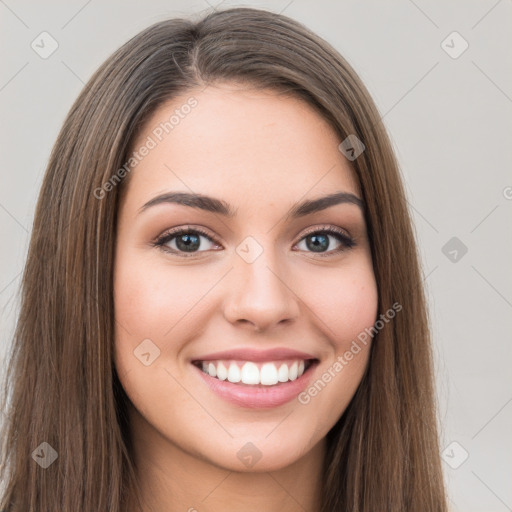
(346, 241)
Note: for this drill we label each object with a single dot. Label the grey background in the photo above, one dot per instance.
(449, 120)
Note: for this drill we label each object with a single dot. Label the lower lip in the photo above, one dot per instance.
(258, 396)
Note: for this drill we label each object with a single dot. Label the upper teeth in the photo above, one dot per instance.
(268, 373)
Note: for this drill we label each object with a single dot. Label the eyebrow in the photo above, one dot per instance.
(211, 204)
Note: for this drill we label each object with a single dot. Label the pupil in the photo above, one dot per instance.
(318, 242)
(187, 242)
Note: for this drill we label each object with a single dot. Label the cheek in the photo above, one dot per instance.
(161, 303)
(152, 298)
(155, 301)
(345, 303)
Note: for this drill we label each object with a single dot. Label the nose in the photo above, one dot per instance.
(260, 296)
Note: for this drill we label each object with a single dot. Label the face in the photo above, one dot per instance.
(266, 296)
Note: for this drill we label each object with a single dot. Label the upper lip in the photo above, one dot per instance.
(247, 354)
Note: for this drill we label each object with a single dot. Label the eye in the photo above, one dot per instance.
(319, 241)
(185, 240)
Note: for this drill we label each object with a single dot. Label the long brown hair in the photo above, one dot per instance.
(61, 383)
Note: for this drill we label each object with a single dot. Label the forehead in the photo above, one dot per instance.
(241, 144)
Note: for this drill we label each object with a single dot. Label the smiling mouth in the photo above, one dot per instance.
(256, 374)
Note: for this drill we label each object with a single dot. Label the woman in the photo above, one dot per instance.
(222, 304)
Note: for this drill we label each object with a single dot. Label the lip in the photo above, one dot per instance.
(258, 397)
(247, 354)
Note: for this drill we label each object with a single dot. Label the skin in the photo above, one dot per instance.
(261, 152)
